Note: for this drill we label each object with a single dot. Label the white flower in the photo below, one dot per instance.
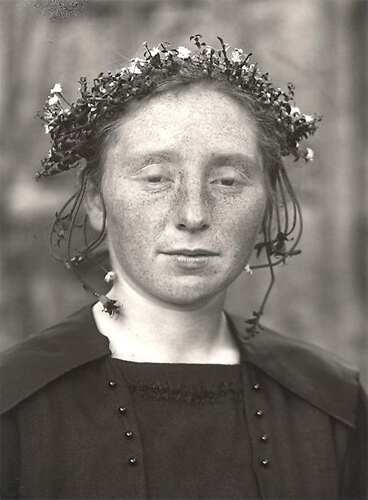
(308, 118)
(309, 156)
(47, 129)
(133, 68)
(248, 270)
(56, 88)
(53, 100)
(154, 51)
(183, 52)
(236, 55)
(295, 110)
(110, 277)
(48, 115)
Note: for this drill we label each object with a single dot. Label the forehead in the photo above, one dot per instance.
(196, 119)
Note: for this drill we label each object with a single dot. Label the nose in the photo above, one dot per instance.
(192, 211)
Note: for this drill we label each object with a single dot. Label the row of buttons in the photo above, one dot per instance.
(129, 434)
(263, 438)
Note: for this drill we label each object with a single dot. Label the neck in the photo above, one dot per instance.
(167, 333)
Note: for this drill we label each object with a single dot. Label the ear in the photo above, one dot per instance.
(94, 206)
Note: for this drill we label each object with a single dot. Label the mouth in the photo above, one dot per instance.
(190, 260)
(196, 252)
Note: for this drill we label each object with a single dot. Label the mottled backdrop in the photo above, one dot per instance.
(320, 45)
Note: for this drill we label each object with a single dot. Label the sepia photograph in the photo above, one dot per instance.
(184, 249)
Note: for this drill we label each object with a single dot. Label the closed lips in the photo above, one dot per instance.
(191, 253)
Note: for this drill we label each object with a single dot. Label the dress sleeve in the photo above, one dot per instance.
(10, 457)
(355, 473)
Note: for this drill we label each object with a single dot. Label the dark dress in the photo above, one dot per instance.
(288, 422)
(195, 438)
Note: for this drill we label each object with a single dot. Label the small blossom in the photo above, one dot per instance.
(154, 51)
(53, 100)
(183, 52)
(208, 50)
(236, 55)
(248, 270)
(309, 154)
(56, 88)
(110, 277)
(308, 118)
(110, 306)
(133, 68)
(294, 110)
(47, 129)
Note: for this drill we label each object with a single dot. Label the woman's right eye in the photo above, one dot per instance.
(154, 174)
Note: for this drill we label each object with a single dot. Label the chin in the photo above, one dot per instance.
(188, 303)
(191, 297)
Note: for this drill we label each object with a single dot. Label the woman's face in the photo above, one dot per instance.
(185, 195)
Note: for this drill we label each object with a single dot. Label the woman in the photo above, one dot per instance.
(168, 396)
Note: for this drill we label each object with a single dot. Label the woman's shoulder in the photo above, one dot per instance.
(309, 371)
(31, 364)
(305, 370)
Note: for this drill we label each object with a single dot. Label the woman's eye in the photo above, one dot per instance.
(155, 174)
(226, 181)
(157, 178)
(228, 177)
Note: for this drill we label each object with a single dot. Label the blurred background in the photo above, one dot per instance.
(320, 45)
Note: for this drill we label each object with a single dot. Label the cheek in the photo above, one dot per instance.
(131, 220)
(240, 222)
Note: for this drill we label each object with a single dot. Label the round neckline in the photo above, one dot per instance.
(158, 364)
(183, 374)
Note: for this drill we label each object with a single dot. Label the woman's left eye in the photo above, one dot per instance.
(229, 180)
(157, 178)
(224, 181)
(227, 176)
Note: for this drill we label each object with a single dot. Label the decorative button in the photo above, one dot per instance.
(256, 387)
(264, 438)
(259, 413)
(112, 384)
(129, 434)
(122, 409)
(265, 462)
(132, 461)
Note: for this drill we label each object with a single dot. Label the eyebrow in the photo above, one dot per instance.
(147, 158)
(240, 160)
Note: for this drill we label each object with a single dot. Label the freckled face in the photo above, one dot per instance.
(185, 196)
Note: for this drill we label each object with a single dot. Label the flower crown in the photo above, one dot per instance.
(71, 125)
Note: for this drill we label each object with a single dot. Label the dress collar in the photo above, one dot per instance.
(303, 369)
